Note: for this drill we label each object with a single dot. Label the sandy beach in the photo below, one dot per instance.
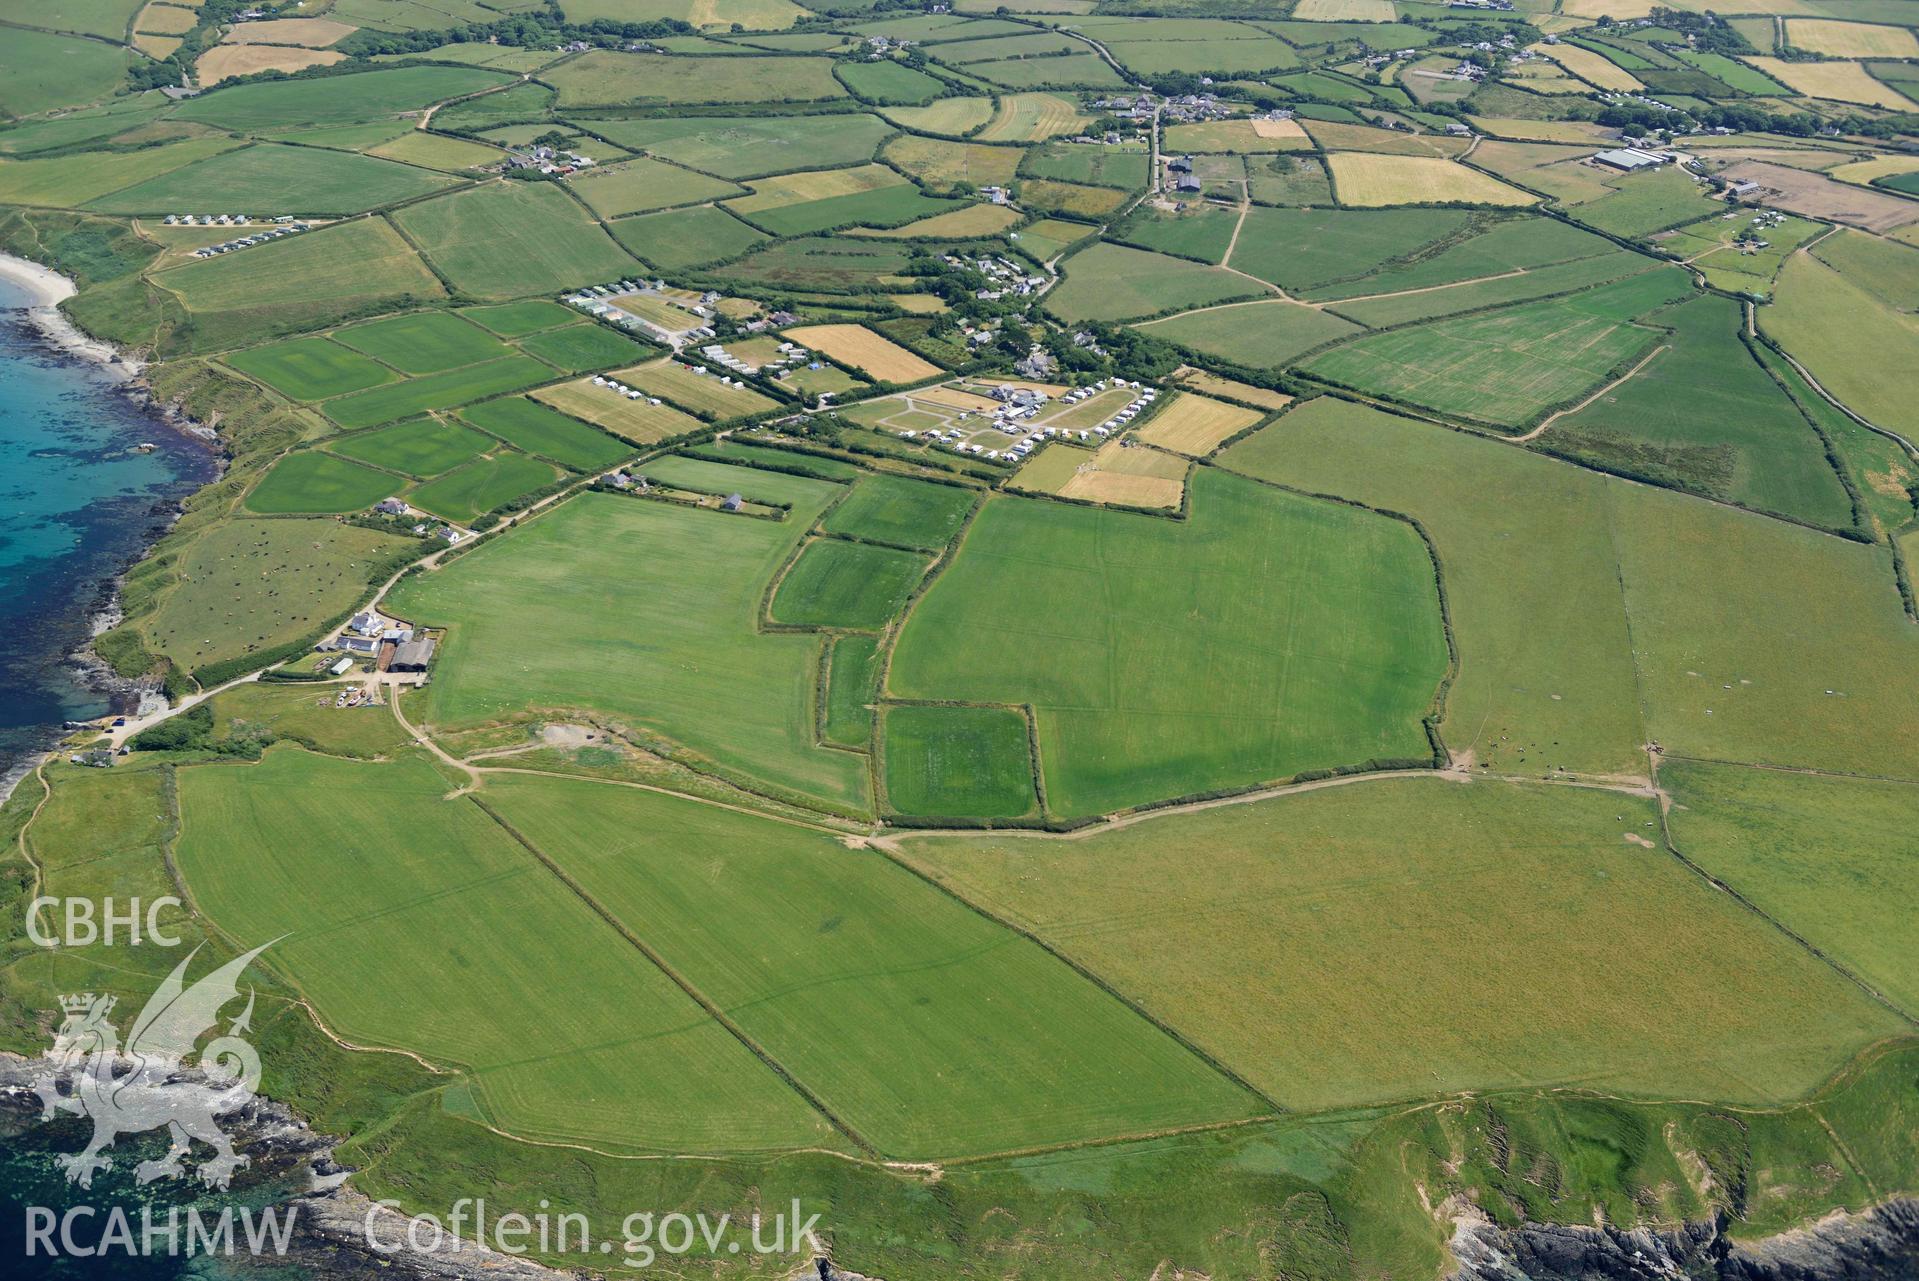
(48, 289)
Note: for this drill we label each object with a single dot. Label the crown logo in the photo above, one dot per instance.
(79, 1003)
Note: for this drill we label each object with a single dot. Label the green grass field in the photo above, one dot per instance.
(1705, 417)
(483, 485)
(40, 71)
(1827, 857)
(578, 349)
(639, 186)
(517, 319)
(308, 717)
(1193, 231)
(1101, 166)
(437, 391)
(839, 584)
(1511, 366)
(1546, 676)
(1847, 337)
(302, 282)
(902, 511)
(310, 368)
(1585, 960)
(507, 239)
(423, 342)
(538, 430)
(931, 1030)
(686, 237)
(423, 447)
(751, 146)
(1648, 202)
(335, 100)
(311, 482)
(1260, 335)
(422, 924)
(617, 568)
(249, 585)
(817, 262)
(271, 179)
(1112, 282)
(852, 683)
(882, 207)
(962, 763)
(1155, 669)
(1539, 282)
(1305, 249)
(71, 181)
(605, 78)
(890, 83)
(1507, 245)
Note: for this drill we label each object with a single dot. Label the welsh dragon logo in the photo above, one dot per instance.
(145, 1085)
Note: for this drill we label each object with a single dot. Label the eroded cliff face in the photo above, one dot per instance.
(1881, 1244)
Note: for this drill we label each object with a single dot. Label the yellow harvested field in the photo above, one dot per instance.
(1134, 476)
(1568, 131)
(918, 304)
(1334, 135)
(1278, 129)
(1245, 393)
(954, 398)
(1590, 67)
(866, 351)
(1623, 10)
(974, 220)
(1196, 426)
(1343, 11)
(636, 420)
(166, 20)
(814, 184)
(314, 33)
(1033, 117)
(1833, 81)
(1838, 39)
(1366, 180)
(1864, 172)
(157, 46)
(227, 60)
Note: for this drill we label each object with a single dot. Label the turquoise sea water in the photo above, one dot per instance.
(78, 503)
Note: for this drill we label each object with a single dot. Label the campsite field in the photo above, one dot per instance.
(1326, 888)
(635, 420)
(866, 351)
(300, 283)
(374, 907)
(1126, 639)
(699, 393)
(1196, 425)
(739, 701)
